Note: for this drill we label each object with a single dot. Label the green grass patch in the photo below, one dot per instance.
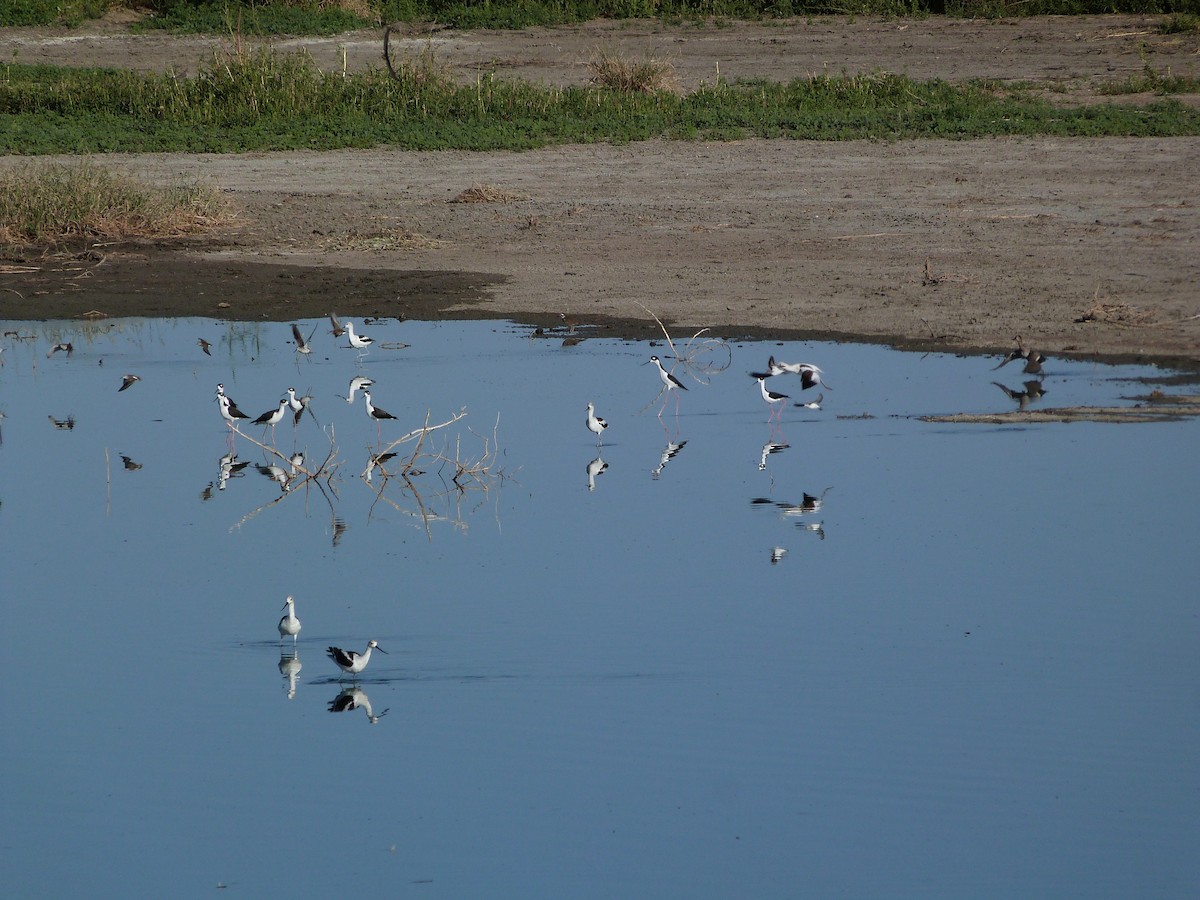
(1180, 23)
(52, 204)
(262, 17)
(266, 100)
(52, 12)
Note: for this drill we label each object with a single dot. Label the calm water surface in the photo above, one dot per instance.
(864, 656)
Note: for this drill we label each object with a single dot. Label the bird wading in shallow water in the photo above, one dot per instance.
(376, 414)
(289, 624)
(359, 342)
(273, 417)
(229, 411)
(670, 383)
(595, 424)
(351, 662)
(774, 399)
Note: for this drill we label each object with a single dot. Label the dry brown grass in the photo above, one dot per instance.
(647, 75)
(486, 193)
(1116, 314)
(50, 203)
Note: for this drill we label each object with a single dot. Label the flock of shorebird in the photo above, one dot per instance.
(352, 662)
(810, 376)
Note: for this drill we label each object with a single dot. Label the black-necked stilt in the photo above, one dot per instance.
(128, 381)
(336, 330)
(358, 341)
(289, 624)
(773, 399)
(295, 404)
(357, 383)
(594, 468)
(302, 346)
(669, 381)
(595, 424)
(809, 374)
(64, 347)
(273, 417)
(229, 411)
(351, 662)
(1033, 359)
(205, 346)
(374, 412)
(813, 404)
(353, 698)
(232, 405)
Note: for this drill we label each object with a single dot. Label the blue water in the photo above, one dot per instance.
(970, 672)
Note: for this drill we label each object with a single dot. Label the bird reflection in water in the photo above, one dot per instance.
(777, 553)
(67, 424)
(227, 467)
(289, 668)
(375, 461)
(276, 474)
(1032, 392)
(769, 448)
(596, 467)
(808, 506)
(352, 698)
(669, 453)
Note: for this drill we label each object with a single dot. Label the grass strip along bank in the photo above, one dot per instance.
(266, 100)
(263, 17)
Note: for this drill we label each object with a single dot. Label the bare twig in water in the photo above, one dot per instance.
(468, 474)
(324, 472)
(701, 359)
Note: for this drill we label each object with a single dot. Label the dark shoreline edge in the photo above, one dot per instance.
(165, 284)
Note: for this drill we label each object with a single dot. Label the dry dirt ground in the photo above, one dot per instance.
(1083, 246)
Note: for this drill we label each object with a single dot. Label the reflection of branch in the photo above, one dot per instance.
(326, 470)
(254, 512)
(468, 473)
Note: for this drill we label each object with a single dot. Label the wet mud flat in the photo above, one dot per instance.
(1155, 407)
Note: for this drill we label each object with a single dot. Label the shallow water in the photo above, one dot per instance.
(970, 671)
